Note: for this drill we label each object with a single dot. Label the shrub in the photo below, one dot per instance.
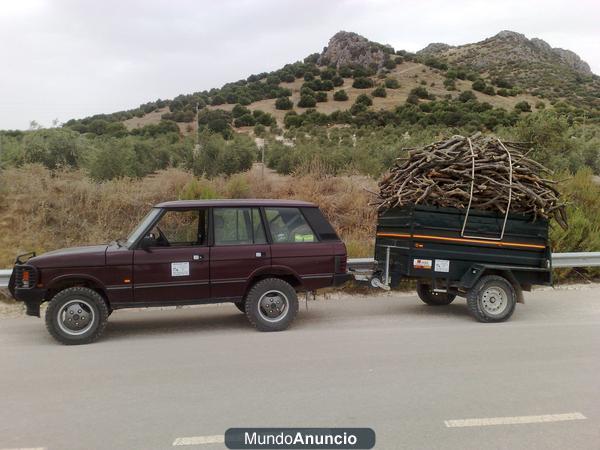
(337, 81)
(420, 92)
(390, 64)
(307, 101)
(467, 96)
(502, 92)
(523, 106)
(450, 84)
(340, 95)
(259, 130)
(489, 90)
(345, 72)
(540, 105)
(247, 120)
(328, 74)
(239, 111)
(284, 103)
(321, 97)
(379, 92)
(362, 83)
(392, 83)
(364, 99)
(217, 100)
(358, 108)
(308, 76)
(478, 85)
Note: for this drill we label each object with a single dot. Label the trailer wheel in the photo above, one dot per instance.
(426, 294)
(492, 299)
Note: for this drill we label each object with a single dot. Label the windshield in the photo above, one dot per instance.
(143, 225)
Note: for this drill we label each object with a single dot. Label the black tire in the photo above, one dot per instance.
(241, 306)
(76, 300)
(433, 298)
(262, 296)
(492, 299)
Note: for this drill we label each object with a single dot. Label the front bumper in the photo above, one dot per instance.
(341, 278)
(33, 298)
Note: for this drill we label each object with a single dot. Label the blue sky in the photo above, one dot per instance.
(63, 59)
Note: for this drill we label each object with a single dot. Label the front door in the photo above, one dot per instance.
(240, 249)
(174, 265)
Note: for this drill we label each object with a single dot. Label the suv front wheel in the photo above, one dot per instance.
(76, 315)
(271, 305)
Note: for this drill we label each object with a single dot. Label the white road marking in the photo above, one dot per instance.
(25, 448)
(197, 440)
(484, 422)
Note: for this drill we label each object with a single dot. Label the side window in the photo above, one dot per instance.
(238, 226)
(181, 228)
(288, 225)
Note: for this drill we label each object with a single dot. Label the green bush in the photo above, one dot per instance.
(239, 111)
(362, 83)
(466, 96)
(379, 92)
(340, 95)
(307, 101)
(363, 99)
(392, 83)
(420, 92)
(247, 120)
(489, 90)
(321, 97)
(284, 103)
(345, 72)
(338, 81)
(478, 85)
(308, 76)
(523, 106)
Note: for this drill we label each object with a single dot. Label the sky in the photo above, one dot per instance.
(68, 59)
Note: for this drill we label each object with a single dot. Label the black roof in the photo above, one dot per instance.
(183, 204)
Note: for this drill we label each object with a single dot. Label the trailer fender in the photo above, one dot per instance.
(476, 271)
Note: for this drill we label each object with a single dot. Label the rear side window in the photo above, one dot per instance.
(320, 224)
(238, 226)
(288, 226)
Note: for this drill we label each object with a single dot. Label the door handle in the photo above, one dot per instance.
(260, 254)
(198, 257)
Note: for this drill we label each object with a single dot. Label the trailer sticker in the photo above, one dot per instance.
(442, 265)
(180, 269)
(422, 263)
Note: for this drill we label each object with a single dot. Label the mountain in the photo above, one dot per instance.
(507, 72)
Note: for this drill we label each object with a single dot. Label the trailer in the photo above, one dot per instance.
(487, 257)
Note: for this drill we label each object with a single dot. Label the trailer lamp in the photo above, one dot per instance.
(25, 277)
(418, 245)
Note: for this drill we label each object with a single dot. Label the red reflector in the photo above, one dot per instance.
(26, 276)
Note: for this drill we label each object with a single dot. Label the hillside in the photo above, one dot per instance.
(503, 71)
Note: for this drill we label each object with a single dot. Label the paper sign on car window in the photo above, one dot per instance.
(180, 269)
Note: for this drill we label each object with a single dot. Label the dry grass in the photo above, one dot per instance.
(42, 211)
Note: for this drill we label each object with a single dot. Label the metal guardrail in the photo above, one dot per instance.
(559, 260)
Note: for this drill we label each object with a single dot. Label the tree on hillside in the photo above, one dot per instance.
(340, 95)
(362, 83)
(284, 103)
(307, 101)
(379, 91)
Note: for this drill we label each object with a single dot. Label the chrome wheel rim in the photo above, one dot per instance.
(76, 317)
(273, 306)
(494, 300)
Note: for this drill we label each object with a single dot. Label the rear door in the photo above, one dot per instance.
(240, 248)
(175, 268)
(296, 245)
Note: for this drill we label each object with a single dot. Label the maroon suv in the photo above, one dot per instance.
(254, 253)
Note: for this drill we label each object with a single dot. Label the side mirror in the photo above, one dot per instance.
(147, 242)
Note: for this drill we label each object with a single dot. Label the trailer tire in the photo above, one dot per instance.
(271, 304)
(433, 298)
(76, 315)
(492, 299)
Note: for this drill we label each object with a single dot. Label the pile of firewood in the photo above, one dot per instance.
(440, 174)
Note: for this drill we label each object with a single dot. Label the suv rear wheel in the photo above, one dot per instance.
(271, 305)
(76, 315)
(433, 298)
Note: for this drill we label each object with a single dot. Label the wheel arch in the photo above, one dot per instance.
(475, 272)
(66, 281)
(282, 272)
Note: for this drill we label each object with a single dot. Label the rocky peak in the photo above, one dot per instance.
(346, 49)
(435, 47)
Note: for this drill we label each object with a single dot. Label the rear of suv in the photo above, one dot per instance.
(257, 254)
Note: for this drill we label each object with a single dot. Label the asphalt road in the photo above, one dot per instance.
(389, 363)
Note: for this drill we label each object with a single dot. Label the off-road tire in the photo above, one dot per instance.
(254, 297)
(91, 298)
(433, 298)
(241, 306)
(475, 298)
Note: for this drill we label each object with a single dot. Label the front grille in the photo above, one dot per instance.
(25, 277)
